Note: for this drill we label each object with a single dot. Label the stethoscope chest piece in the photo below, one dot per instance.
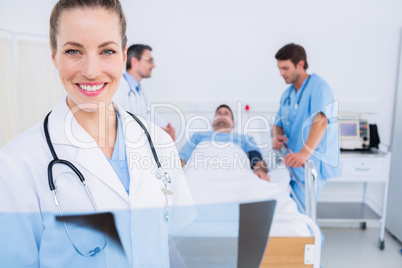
(163, 176)
(165, 179)
(160, 174)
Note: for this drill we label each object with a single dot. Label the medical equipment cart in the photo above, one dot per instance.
(364, 167)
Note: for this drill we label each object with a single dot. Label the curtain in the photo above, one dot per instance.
(29, 85)
(39, 87)
(9, 123)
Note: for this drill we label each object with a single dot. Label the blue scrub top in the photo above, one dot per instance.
(246, 142)
(315, 97)
(119, 157)
(133, 84)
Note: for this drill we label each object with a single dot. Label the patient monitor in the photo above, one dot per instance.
(355, 133)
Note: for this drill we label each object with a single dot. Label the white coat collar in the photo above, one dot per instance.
(64, 130)
(137, 148)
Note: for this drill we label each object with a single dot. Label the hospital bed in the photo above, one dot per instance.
(219, 226)
(284, 252)
(295, 250)
(309, 188)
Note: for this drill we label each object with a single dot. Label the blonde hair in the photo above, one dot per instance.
(67, 5)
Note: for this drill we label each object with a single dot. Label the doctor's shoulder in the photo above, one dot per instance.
(28, 145)
(318, 82)
(26, 157)
(160, 139)
(121, 93)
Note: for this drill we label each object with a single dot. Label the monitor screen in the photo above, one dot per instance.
(348, 129)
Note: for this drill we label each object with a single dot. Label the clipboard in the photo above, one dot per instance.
(254, 226)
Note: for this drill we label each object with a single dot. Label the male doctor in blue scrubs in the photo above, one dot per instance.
(306, 120)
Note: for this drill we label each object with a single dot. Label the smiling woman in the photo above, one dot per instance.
(90, 56)
(86, 138)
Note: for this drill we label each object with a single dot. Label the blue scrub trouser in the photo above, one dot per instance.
(302, 198)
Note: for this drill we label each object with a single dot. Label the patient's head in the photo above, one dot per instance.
(223, 121)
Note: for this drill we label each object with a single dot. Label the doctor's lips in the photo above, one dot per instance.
(91, 89)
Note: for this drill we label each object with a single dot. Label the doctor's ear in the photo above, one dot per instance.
(134, 61)
(54, 60)
(125, 56)
(300, 64)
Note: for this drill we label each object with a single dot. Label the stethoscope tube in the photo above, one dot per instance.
(56, 160)
(52, 187)
(151, 144)
(161, 175)
(131, 91)
(49, 142)
(287, 100)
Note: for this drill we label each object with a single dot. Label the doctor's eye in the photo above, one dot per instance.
(108, 52)
(72, 52)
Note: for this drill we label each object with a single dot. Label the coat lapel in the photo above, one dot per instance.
(95, 162)
(137, 148)
(65, 131)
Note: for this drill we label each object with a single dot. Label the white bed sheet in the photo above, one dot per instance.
(221, 178)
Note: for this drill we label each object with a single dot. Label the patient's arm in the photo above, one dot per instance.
(258, 165)
(260, 169)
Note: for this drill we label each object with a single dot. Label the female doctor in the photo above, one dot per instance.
(86, 136)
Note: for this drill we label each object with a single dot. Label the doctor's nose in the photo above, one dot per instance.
(91, 67)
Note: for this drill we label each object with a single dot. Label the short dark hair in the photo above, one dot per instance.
(294, 53)
(225, 106)
(135, 51)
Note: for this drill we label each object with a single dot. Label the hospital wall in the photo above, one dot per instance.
(224, 50)
(214, 51)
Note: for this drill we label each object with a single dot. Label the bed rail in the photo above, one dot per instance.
(309, 187)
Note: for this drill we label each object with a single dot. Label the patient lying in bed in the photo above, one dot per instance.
(223, 137)
(219, 173)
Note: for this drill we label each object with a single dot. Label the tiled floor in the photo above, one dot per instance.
(352, 247)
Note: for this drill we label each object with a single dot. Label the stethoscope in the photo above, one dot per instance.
(133, 91)
(286, 101)
(160, 175)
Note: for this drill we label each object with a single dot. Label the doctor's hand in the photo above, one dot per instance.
(278, 141)
(171, 131)
(296, 160)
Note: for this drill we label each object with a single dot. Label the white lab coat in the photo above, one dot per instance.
(136, 103)
(29, 234)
